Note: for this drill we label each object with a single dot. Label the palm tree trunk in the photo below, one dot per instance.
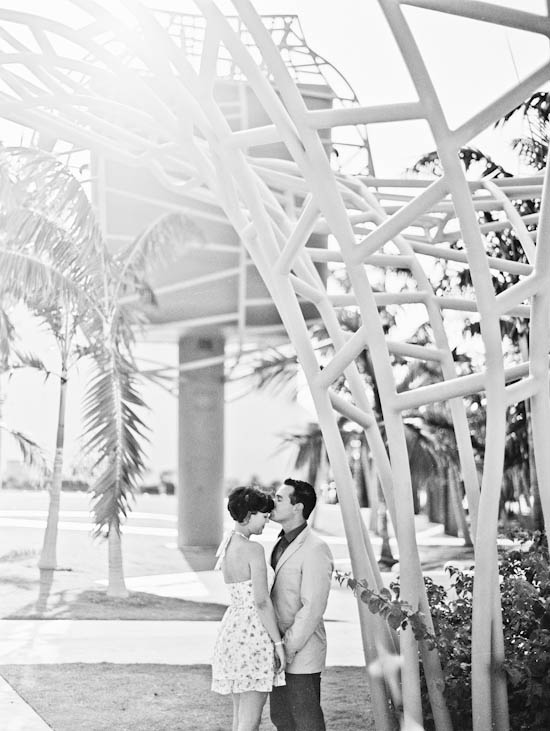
(320, 475)
(458, 508)
(387, 559)
(371, 479)
(538, 517)
(450, 524)
(117, 585)
(48, 556)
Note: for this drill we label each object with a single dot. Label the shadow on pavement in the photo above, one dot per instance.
(92, 604)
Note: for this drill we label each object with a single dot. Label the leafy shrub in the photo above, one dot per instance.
(525, 596)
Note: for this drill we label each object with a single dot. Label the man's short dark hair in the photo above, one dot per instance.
(303, 493)
(245, 500)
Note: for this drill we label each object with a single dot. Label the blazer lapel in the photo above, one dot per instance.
(291, 550)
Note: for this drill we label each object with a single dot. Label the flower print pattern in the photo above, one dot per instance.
(243, 654)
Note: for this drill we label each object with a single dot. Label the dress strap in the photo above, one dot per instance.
(222, 548)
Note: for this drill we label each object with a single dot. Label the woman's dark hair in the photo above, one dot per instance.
(303, 493)
(245, 500)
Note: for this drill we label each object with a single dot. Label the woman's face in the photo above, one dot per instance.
(257, 522)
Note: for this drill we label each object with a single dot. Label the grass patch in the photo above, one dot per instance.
(100, 697)
(28, 593)
(90, 604)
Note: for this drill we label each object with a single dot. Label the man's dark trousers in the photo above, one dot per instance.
(296, 706)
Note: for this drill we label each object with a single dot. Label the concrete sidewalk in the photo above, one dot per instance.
(29, 642)
(15, 714)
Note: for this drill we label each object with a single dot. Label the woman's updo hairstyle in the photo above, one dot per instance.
(245, 500)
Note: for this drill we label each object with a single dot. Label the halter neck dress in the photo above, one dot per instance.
(243, 658)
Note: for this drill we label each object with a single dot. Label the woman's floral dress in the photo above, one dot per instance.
(243, 654)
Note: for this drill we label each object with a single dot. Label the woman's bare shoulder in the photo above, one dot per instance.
(256, 550)
(247, 548)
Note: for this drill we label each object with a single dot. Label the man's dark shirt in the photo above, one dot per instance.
(285, 539)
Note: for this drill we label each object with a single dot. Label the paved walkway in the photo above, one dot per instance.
(15, 714)
(28, 642)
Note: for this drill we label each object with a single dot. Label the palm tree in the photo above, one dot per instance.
(311, 455)
(503, 243)
(59, 264)
(532, 149)
(61, 319)
(432, 448)
(311, 452)
(114, 431)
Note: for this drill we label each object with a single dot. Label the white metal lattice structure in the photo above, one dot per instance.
(305, 66)
(162, 113)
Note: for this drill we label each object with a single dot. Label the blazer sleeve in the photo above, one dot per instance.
(314, 590)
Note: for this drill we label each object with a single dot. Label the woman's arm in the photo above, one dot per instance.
(262, 599)
(258, 574)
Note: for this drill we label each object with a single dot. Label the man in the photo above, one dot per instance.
(303, 568)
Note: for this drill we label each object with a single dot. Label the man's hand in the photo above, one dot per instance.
(290, 653)
(290, 657)
(280, 658)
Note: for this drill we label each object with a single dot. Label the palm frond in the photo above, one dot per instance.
(423, 451)
(531, 151)
(29, 278)
(428, 164)
(28, 230)
(310, 449)
(431, 164)
(114, 435)
(536, 109)
(46, 216)
(161, 242)
(40, 183)
(31, 452)
(7, 339)
(27, 359)
(418, 373)
(535, 112)
(273, 369)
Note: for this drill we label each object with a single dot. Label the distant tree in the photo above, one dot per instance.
(532, 147)
(502, 243)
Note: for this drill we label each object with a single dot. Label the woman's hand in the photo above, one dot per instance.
(280, 658)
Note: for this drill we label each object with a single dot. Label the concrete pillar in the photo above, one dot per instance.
(201, 445)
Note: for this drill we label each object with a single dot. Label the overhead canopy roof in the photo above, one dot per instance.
(203, 277)
(80, 87)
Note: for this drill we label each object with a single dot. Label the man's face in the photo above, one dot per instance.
(284, 509)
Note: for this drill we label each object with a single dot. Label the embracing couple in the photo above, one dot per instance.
(272, 638)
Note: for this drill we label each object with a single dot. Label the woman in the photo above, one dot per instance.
(249, 656)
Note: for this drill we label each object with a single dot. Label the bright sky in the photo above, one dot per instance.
(472, 63)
